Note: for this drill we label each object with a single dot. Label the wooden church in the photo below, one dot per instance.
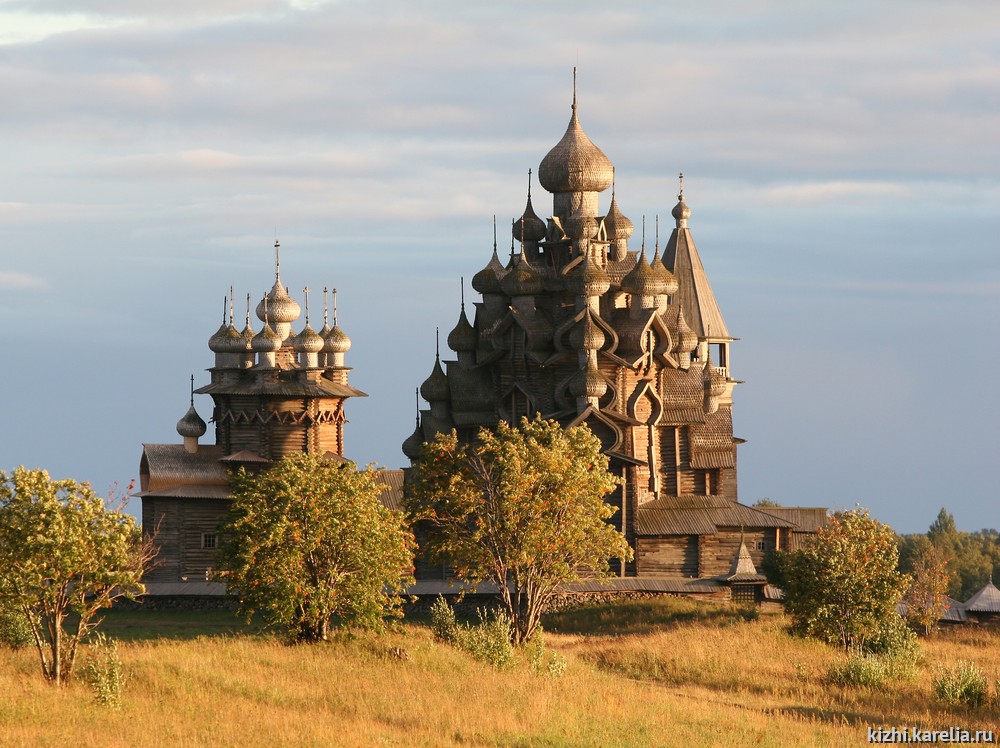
(275, 392)
(582, 327)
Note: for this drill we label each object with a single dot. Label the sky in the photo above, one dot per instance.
(841, 163)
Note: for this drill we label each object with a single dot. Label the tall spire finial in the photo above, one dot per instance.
(416, 394)
(335, 307)
(512, 222)
(192, 390)
(437, 343)
(494, 232)
(574, 88)
(225, 303)
(230, 306)
(612, 183)
(657, 234)
(529, 184)
(248, 309)
(326, 308)
(644, 232)
(305, 292)
(680, 178)
(277, 260)
(462, 281)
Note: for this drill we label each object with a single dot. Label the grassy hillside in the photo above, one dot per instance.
(641, 673)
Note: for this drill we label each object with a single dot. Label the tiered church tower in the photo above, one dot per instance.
(581, 328)
(275, 392)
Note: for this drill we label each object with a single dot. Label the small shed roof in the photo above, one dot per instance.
(392, 496)
(743, 569)
(805, 519)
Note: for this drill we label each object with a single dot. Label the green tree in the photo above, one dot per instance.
(64, 556)
(843, 586)
(309, 540)
(927, 598)
(522, 508)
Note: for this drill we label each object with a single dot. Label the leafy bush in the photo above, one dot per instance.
(964, 683)
(15, 628)
(443, 622)
(894, 639)
(104, 673)
(544, 661)
(490, 640)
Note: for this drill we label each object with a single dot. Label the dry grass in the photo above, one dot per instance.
(682, 680)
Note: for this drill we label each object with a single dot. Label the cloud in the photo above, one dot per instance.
(10, 279)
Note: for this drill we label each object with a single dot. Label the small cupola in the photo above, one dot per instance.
(191, 427)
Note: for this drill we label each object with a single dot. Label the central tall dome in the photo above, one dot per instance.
(582, 328)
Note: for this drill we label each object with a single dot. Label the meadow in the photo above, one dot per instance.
(647, 672)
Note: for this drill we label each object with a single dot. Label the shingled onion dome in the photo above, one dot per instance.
(586, 335)
(462, 338)
(521, 280)
(488, 279)
(664, 274)
(217, 342)
(529, 227)
(714, 383)
(247, 337)
(588, 382)
(308, 342)
(191, 424)
(687, 339)
(266, 343)
(616, 224)
(681, 211)
(588, 279)
(641, 281)
(414, 442)
(575, 164)
(435, 388)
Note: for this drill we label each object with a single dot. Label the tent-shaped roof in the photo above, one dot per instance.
(987, 600)
(701, 310)
(743, 569)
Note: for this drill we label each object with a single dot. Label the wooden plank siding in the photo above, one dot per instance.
(675, 556)
(720, 550)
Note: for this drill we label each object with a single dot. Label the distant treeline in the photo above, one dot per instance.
(972, 556)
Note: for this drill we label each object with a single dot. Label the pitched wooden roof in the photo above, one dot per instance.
(166, 466)
(392, 496)
(743, 569)
(805, 519)
(699, 515)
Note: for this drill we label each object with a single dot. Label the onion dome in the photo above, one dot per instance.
(521, 280)
(414, 442)
(266, 341)
(336, 341)
(281, 308)
(681, 211)
(668, 278)
(529, 227)
(233, 341)
(463, 337)
(435, 388)
(488, 279)
(642, 281)
(687, 338)
(247, 335)
(308, 341)
(575, 164)
(587, 335)
(616, 224)
(714, 381)
(588, 382)
(191, 424)
(217, 343)
(588, 279)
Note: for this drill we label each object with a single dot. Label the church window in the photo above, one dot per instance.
(208, 541)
